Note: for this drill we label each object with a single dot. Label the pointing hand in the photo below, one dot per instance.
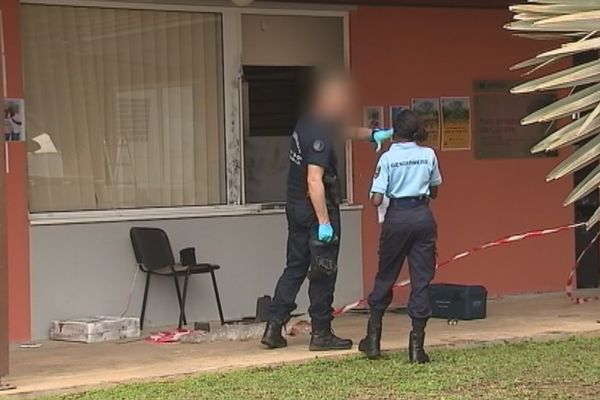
(381, 136)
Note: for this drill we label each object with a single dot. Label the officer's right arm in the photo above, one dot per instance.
(316, 192)
(318, 159)
(380, 181)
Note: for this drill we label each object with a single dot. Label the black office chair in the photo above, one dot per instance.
(155, 257)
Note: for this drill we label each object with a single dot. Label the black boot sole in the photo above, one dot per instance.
(370, 356)
(271, 345)
(329, 348)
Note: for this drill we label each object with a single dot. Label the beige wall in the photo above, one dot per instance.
(292, 40)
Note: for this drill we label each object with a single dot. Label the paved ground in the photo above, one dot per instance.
(59, 366)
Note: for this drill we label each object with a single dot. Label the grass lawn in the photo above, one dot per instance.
(566, 369)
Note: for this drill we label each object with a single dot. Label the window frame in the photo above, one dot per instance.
(235, 205)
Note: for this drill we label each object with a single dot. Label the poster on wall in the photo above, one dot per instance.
(373, 117)
(14, 121)
(456, 123)
(429, 111)
(497, 130)
(395, 110)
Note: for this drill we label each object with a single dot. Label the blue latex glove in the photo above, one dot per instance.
(325, 233)
(379, 137)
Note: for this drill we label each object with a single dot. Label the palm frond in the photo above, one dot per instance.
(576, 23)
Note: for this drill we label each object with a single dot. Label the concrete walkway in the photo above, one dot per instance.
(59, 366)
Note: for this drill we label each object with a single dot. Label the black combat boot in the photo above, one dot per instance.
(273, 338)
(324, 339)
(371, 344)
(416, 350)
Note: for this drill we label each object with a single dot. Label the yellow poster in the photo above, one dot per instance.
(456, 123)
(429, 111)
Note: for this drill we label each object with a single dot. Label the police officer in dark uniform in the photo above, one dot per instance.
(409, 175)
(313, 215)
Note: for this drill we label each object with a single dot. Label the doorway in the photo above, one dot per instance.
(588, 272)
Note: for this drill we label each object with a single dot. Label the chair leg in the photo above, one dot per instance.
(181, 308)
(143, 315)
(183, 299)
(216, 289)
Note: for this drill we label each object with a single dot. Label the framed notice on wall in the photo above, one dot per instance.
(456, 123)
(373, 117)
(498, 132)
(429, 111)
(14, 120)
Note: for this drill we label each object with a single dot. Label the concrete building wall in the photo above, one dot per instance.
(87, 269)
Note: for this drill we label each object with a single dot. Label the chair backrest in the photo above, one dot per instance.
(152, 248)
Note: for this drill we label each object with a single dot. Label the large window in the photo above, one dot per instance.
(124, 108)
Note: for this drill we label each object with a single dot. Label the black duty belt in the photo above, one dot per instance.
(409, 202)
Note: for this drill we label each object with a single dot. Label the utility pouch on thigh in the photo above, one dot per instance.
(323, 263)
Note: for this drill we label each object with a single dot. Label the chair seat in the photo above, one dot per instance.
(182, 270)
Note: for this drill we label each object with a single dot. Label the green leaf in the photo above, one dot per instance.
(577, 102)
(585, 155)
(585, 187)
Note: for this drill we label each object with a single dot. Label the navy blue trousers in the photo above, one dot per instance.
(302, 227)
(408, 232)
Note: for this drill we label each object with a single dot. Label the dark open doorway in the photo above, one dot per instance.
(588, 273)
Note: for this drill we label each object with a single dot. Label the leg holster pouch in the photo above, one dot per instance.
(323, 263)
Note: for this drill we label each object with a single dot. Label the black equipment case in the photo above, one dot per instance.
(458, 301)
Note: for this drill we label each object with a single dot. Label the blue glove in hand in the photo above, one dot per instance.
(379, 137)
(325, 233)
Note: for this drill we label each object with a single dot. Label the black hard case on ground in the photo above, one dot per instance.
(458, 301)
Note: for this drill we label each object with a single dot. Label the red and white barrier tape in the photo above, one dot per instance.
(571, 280)
(168, 336)
(496, 243)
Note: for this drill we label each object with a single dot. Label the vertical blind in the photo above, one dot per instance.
(124, 108)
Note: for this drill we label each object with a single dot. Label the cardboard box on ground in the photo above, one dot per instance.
(95, 329)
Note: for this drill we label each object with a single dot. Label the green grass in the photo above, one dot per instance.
(566, 369)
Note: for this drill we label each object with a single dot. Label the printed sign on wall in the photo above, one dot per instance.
(429, 111)
(456, 123)
(497, 131)
(373, 117)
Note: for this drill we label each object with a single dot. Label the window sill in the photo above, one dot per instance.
(150, 214)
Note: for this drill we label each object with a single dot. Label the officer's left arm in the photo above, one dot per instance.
(433, 192)
(376, 199)
(436, 178)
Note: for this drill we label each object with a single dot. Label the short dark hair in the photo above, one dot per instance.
(408, 125)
